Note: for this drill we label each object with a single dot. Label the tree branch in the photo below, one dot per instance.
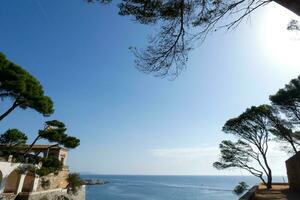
(14, 106)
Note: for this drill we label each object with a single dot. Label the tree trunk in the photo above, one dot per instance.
(269, 174)
(48, 149)
(263, 180)
(293, 146)
(292, 5)
(269, 184)
(9, 110)
(33, 143)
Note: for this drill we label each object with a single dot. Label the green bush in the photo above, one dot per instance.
(75, 182)
(45, 184)
(49, 165)
(240, 188)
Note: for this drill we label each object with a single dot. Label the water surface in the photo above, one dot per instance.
(167, 187)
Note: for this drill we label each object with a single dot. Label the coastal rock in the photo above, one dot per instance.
(95, 182)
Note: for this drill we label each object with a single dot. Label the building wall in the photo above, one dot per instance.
(6, 169)
(293, 171)
(63, 155)
(12, 182)
(28, 183)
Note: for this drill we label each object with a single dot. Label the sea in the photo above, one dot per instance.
(123, 187)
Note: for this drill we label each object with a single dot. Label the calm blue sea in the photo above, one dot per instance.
(167, 187)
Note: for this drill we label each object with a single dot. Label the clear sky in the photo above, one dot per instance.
(130, 122)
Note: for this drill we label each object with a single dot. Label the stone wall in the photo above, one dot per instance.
(56, 194)
(54, 181)
(6, 168)
(293, 171)
(8, 196)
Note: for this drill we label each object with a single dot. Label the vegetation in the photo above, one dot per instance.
(256, 127)
(49, 165)
(182, 23)
(45, 183)
(253, 128)
(287, 100)
(240, 188)
(13, 139)
(54, 132)
(25, 91)
(294, 25)
(239, 155)
(75, 182)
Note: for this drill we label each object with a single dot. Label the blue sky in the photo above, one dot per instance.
(130, 122)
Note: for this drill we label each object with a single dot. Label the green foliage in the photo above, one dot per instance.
(294, 25)
(253, 125)
(70, 142)
(240, 188)
(259, 121)
(14, 140)
(51, 162)
(49, 165)
(45, 184)
(42, 171)
(55, 132)
(22, 88)
(237, 154)
(25, 169)
(20, 158)
(55, 123)
(181, 24)
(13, 137)
(287, 100)
(253, 128)
(75, 182)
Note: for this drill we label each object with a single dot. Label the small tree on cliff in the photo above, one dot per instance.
(23, 89)
(54, 132)
(75, 183)
(252, 128)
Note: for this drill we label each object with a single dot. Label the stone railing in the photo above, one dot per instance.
(55, 194)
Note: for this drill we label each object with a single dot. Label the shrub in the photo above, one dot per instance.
(75, 182)
(49, 165)
(45, 184)
(240, 188)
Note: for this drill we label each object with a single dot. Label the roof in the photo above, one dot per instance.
(40, 146)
